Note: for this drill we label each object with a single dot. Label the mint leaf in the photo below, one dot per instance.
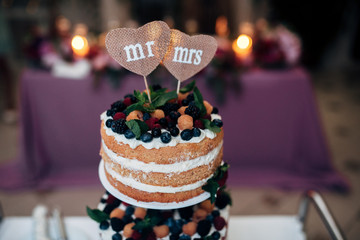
(220, 171)
(163, 98)
(210, 125)
(199, 101)
(229, 197)
(137, 127)
(96, 214)
(211, 187)
(137, 106)
(189, 87)
(139, 96)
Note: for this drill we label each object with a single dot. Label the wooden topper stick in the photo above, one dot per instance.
(147, 89)
(178, 87)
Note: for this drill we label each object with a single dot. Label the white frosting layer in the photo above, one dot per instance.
(156, 142)
(131, 182)
(183, 166)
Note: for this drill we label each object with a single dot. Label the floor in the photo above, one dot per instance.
(338, 96)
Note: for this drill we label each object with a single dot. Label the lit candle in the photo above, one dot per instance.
(242, 46)
(80, 46)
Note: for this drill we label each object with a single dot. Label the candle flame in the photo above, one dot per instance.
(80, 45)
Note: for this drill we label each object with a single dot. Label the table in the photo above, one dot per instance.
(273, 135)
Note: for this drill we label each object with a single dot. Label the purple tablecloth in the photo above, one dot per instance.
(272, 132)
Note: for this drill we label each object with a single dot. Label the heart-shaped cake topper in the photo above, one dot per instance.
(139, 50)
(187, 55)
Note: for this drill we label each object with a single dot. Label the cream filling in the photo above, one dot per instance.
(131, 182)
(183, 166)
(156, 142)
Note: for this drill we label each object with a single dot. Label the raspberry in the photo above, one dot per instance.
(219, 223)
(136, 235)
(156, 125)
(199, 124)
(132, 97)
(193, 111)
(151, 122)
(151, 236)
(119, 115)
(110, 199)
(127, 101)
(208, 117)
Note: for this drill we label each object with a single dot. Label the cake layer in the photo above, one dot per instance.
(163, 155)
(155, 196)
(173, 179)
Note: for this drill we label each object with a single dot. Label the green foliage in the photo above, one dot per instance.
(137, 127)
(211, 126)
(96, 214)
(188, 88)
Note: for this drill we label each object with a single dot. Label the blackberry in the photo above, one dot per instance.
(190, 97)
(146, 137)
(186, 213)
(146, 116)
(203, 227)
(127, 219)
(117, 224)
(174, 131)
(174, 237)
(185, 102)
(174, 115)
(168, 107)
(118, 106)
(196, 132)
(156, 132)
(186, 135)
(193, 111)
(104, 225)
(171, 125)
(218, 122)
(108, 123)
(129, 134)
(156, 87)
(163, 122)
(222, 200)
(132, 97)
(108, 209)
(119, 126)
(165, 137)
(110, 113)
(215, 110)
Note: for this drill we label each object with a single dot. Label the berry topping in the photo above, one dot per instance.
(163, 122)
(140, 213)
(119, 115)
(151, 122)
(219, 223)
(117, 224)
(189, 228)
(109, 208)
(146, 116)
(199, 215)
(218, 122)
(161, 231)
(156, 87)
(127, 101)
(208, 107)
(210, 218)
(110, 112)
(215, 110)
(222, 200)
(168, 107)
(136, 235)
(190, 97)
(182, 110)
(116, 236)
(215, 235)
(185, 122)
(186, 213)
(171, 125)
(104, 225)
(184, 237)
(129, 134)
(182, 96)
(208, 117)
(146, 137)
(117, 213)
(215, 213)
(127, 219)
(165, 137)
(196, 132)
(199, 124)
(132, 97)
(174, 131)
(158, 114)
(119, 126)
(203, 227)
(174, 115)
(137, 115)
(151, 236)
(156, 132)
(222, 181)
(118, 106)
(186, 135)
(207, 206)
(185, 102)
(128, 231)
(129, 210)
(109, 122)
(193, 111)
(174, 237)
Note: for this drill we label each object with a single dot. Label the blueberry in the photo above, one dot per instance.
(117, 224)
(170, 222)
(129, 210)
(203, 227)
(174, 237)
(210, 218)
(171, 125)
(146, 116)
(156, 132)
(215, 110)
(109, 122)
(174, 115)
(129, 134)
(215, 235)
(104, 225)
(163, 122)
(186, 135)
(108, 208)
(165, 137)
(215, 213)
(146, 137)
(174, 131)
(127, 219)
(184, 237)
(185, 102)
(218, 122)
(116, 236)
(110, 113)
(196, 132)
(103, 200)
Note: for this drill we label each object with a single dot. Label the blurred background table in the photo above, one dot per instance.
(273, 135)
